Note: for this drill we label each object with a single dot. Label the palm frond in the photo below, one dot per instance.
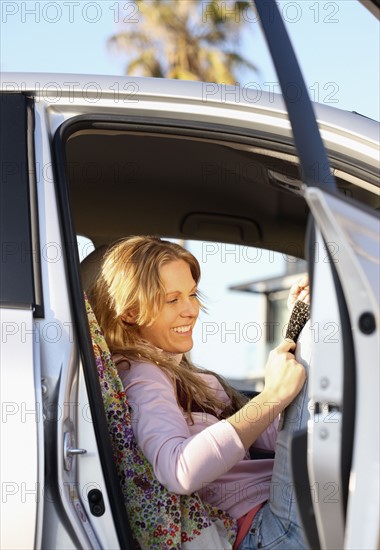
(186, 39)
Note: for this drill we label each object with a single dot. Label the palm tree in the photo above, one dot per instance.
(186, 39)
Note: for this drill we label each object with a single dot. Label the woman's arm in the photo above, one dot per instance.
(182, 461)
(284, 378)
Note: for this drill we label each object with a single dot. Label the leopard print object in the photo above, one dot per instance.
(298, 319)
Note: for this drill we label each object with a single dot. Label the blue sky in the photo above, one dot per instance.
(337, 44)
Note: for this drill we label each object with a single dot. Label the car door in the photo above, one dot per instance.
(342, 441)
(343, 433)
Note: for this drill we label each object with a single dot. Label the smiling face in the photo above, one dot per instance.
(172, 330)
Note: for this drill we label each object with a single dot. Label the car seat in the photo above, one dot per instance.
(90, 267)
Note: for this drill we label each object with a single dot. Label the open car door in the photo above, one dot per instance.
(341, 476)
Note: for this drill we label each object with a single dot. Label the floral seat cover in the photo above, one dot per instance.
(159, 519)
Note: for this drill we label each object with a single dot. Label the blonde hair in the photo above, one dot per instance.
(130, 281)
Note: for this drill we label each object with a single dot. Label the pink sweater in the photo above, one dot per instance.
(207, 456)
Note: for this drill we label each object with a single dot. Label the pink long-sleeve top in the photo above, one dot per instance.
(206, 456)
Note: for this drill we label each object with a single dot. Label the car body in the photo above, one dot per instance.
(107, 157)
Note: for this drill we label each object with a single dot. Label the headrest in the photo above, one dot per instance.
(90, 267)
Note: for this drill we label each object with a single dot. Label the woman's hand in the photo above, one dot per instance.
(299, 291)
(284, 376)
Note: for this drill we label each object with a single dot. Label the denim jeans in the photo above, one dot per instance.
(277, 524)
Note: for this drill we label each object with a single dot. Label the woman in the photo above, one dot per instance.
(191, 425)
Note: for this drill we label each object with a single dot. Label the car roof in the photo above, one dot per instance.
(75, 85)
